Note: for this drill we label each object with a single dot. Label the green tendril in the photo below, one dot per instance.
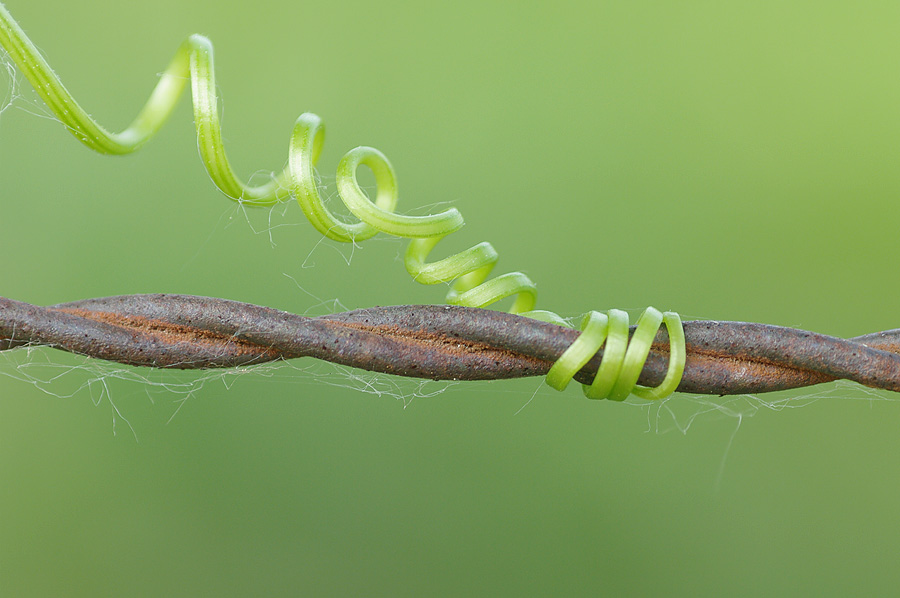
(467, 271)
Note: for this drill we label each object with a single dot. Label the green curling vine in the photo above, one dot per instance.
(467, 271)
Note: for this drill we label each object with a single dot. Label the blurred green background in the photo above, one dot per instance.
(729, 160)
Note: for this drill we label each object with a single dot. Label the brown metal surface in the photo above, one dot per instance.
(436, 342)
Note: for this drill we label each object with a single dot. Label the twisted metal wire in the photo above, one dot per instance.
(433, 342)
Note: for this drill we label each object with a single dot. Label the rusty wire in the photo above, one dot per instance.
(433, 342)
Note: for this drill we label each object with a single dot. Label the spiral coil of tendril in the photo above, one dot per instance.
(467, 271)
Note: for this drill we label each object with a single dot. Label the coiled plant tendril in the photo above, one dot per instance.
(467, 271)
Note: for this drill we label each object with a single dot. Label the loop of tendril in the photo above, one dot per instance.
(466, 271)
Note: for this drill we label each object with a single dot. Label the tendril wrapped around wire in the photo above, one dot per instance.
(467, 271)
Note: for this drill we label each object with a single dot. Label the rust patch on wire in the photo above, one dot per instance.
(174, 333)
